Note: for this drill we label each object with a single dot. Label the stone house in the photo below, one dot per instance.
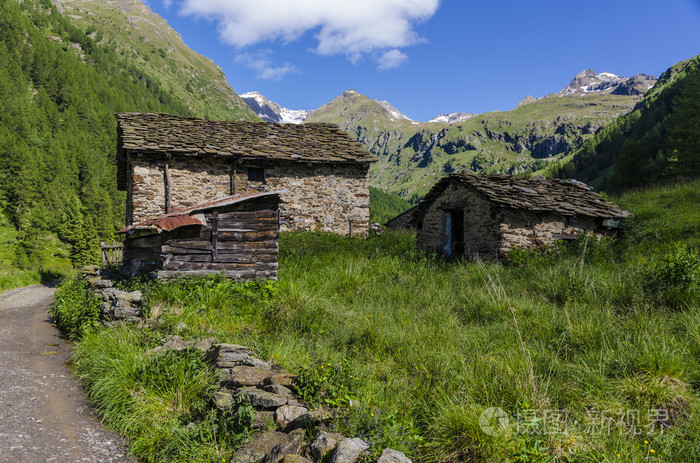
(402, 221)
(485, 216)
(234, 235)
(167, 162)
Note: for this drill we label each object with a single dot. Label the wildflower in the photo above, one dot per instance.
(652, 450)
(646, 442)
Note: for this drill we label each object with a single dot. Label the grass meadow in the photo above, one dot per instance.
(587, 353)
(49, 263)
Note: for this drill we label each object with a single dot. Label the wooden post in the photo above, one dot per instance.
(103, 248)
(214, 234)
(166, 181)
(350, 226)
(233, 179)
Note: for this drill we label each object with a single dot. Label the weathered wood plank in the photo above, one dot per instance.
(233, 274)
(250, 215)
(214, 233)
(263, 246)
(239, 256)
(232, 225)
(190, 244)
(204, 247)
(214, 266)
(247, 236)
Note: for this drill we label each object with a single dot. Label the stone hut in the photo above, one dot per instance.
(402, 221)
(485, 216)
(236, 235)
(167, 162)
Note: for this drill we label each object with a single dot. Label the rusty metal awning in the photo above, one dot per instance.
(190, 216)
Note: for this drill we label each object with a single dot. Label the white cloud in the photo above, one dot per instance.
(262, 63)
(349, 27)
(167, 3)
(391, 59)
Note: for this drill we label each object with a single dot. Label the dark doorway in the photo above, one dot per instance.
(456, 232)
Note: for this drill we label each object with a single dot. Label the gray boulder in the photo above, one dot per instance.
(324, 444)
(262, 399)
(255, 450)
(349, 450)
(295, 459)
(288, 413)
(393, 456)
(247, 376)
(232, 355)
(313, 418)
(291, 446)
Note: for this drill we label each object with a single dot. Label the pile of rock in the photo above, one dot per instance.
(118, 305)
(253, 383)
(249, 381)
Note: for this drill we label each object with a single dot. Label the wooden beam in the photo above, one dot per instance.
(233, 178)
(214, 234)
(166, 181)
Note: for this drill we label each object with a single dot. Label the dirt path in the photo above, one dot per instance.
(44, 416)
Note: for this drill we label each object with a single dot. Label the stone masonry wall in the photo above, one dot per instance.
(146, 191)
(192, 182)
(321, 196)
(197, 181)
(481, 228)
(528, 230)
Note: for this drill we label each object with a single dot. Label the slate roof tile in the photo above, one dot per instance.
(158, 132)
(565, 197)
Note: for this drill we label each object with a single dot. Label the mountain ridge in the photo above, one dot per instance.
(413, 155)
(145, 39)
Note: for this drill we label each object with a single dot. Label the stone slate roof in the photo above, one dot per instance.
(184, 217)
(164, 133)
(565, 197)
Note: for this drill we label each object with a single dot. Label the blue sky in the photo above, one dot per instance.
(428, 57)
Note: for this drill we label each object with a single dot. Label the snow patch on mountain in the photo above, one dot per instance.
(394, 113)
(451, 118)
(270, 111)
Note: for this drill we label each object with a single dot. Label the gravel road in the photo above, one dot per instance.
(44, 415)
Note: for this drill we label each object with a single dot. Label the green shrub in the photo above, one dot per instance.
(673, 280)
(76, 309)
(329, 382)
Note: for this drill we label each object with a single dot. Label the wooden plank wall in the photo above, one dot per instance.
(240, 240)
(143, 252)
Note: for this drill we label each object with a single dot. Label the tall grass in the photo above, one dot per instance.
(425, 346)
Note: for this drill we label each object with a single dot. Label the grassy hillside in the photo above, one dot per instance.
(659, 140)
(591, 350)
(50, 259)
(144, 40)
(384, 206)
(61, 85)
(412, 155)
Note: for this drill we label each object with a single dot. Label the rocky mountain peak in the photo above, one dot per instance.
(270, 111)
(587, 82)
